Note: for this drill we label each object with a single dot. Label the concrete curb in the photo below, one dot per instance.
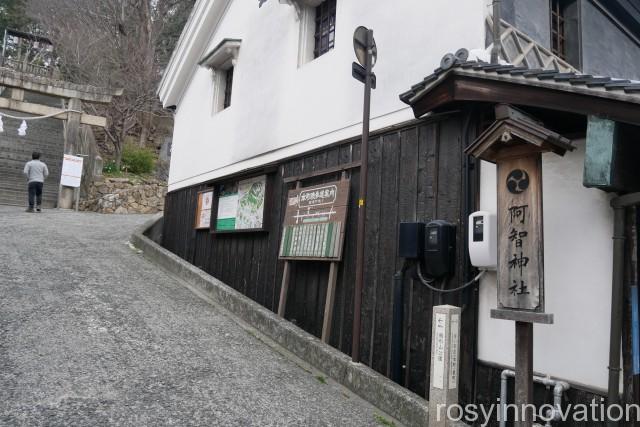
(406, 406)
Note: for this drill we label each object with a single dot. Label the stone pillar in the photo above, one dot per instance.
(445, 350)
(71, 144)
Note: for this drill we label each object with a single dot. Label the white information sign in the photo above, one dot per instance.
(71, 171)
(453, 351)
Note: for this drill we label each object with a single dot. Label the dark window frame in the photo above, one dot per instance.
(228, 86)
(558, 36)
(325, 32)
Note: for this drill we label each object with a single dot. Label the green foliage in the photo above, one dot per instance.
(138, 160)
(110, 168)
(321, 379)
(13, 15)
(383, 421)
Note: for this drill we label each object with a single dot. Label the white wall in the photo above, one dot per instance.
(578, 224)
(278, 109)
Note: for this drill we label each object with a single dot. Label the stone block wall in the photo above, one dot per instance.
(125, 195)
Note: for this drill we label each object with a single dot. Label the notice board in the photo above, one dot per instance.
(203, 210)
(314, 223)
(71, 171)
(241, 205)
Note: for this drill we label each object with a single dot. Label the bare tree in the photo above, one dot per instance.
(115, 43)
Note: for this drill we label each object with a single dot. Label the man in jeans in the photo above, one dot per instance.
(36, 172)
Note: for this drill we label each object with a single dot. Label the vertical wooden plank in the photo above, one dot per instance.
(317, 288)
(407, 212)
(345, 286)
(387, 250)
(372, 231)
(419, 328)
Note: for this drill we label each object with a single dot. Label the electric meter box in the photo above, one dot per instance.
(483, 240)
(440, 249)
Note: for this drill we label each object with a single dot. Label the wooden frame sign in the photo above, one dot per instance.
(314, 223)
(203, 210)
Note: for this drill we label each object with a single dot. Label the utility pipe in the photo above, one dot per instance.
(397, 324)
(559, 387)
(617, 296)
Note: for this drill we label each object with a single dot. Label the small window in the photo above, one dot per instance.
(558, 45)
(565, 30)
(228, 85)
(222, 61)
(325, 30)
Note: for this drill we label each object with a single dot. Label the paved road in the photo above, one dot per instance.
(93, 334)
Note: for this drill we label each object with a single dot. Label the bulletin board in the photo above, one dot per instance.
(240, 205)
(203, 210)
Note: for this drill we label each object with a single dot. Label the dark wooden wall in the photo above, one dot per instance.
(416, 174)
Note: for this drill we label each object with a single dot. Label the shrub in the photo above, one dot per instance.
(110, 168)
(138, 160)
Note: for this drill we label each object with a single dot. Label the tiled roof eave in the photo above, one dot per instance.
(532, 80)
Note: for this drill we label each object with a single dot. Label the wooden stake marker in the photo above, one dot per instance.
(515, 143)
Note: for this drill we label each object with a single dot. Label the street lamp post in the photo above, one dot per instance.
(366, 53)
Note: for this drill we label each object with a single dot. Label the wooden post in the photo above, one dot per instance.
(71, 144)
(328, 305)
(524, 374)
(284, 289)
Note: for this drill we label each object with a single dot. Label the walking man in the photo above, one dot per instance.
(36, 172)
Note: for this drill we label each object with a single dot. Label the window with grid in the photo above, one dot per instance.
(325, 28)
(228, 84)
(558, 42)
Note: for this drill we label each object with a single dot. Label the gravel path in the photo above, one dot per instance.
(93, 334)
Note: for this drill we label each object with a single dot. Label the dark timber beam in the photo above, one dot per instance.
(462, 88)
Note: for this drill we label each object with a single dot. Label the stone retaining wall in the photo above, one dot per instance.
(125, 195)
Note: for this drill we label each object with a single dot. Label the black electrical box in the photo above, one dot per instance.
(440, 246)
(411, 240)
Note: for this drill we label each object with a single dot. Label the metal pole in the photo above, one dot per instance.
(617, 297)
(524, 374)
(397, 326)
(364, 157)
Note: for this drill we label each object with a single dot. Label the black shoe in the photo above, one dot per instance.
(38, 209)
(29, 210)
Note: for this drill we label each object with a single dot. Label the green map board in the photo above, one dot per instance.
(244, 208)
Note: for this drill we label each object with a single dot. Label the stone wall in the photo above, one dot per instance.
(125, 195)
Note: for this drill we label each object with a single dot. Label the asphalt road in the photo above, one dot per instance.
(93, 334)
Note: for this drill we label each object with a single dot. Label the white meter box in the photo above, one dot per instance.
(483, 240)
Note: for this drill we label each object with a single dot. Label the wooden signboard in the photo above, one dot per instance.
(314, 228)
(203, 210)
(314, 222)
(515, 142)
(520, 238)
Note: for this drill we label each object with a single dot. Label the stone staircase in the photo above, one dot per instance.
(45, 136)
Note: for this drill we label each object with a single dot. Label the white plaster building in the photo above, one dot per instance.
(286, 102)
